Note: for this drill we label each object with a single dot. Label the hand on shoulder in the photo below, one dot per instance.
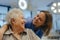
(3, 29)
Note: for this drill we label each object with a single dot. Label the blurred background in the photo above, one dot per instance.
(33, 7)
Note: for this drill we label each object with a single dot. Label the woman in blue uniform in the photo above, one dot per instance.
(41, 24)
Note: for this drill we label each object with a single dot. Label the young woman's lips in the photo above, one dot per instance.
(35, 22)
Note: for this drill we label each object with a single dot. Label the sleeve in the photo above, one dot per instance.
(32, 35)
(39, 33)
(27, 25)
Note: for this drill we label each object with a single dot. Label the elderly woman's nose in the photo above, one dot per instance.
(24, 21)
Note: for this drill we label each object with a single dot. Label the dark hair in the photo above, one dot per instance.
(46, 27)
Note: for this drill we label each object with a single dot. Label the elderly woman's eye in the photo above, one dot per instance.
(23, 18)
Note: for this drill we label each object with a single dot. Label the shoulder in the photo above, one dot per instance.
(27, 24)
(3, 28)
(29, 31)
(39, 33)
(32, 35)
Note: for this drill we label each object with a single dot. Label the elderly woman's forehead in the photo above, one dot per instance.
(20, 15)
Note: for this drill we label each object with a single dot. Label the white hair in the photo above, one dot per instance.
(13, 13)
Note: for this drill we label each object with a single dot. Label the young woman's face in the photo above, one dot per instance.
(39, 19)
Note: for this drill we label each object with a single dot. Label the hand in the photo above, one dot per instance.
(1, 34)
(2, 30)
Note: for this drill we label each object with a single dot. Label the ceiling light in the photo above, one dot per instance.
(55, 11)
(22, 4)
(59, 10)
(58, 3)
(54, 4)
(52, 8)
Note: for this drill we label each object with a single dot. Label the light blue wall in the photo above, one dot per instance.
(3, 11)
(56, 21)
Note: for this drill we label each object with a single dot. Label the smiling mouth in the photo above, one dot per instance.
(35, 22)
(23, 24)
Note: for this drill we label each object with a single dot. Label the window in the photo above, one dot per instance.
(27, 14)
(3, 11)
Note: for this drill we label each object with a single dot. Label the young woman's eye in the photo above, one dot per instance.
(40, 19)
(37, 15)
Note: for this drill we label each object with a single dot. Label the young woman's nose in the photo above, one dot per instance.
(36, 18)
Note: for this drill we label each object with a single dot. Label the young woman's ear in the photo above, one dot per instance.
(12, 20)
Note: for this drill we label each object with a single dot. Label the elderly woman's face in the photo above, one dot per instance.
(19, 23)
(39, 19)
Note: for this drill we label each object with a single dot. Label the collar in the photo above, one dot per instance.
(10, 32)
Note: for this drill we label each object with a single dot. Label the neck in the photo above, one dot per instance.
(17, 29)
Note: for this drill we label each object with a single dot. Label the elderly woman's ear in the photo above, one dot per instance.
(12, 20)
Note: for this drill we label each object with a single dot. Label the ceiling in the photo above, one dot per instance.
(32, 4)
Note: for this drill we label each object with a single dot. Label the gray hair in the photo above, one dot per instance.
(13, 13)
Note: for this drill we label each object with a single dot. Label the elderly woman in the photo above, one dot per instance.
(16, 29)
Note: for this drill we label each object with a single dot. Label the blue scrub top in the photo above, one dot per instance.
(38, 31)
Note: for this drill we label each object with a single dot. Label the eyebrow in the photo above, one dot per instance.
(40, 18)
